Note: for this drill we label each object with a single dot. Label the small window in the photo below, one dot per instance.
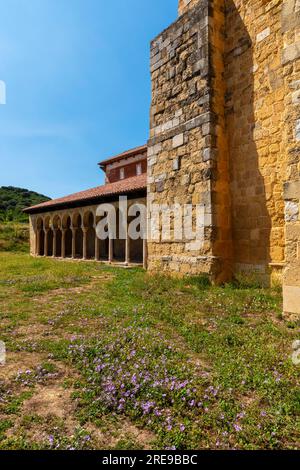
(139, 169)
(122, 173)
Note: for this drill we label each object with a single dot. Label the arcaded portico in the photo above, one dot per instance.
(66, 227)
(72, 234)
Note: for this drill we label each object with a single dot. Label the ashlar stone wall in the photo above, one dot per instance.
(291, 133)
(187, 153)
(185, 5)
(224, 132)
(255, 111)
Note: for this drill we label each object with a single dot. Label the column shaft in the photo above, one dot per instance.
(97, 248)
(145, 254)
(84, 248)
(127, 247)
(54, 243)
(38, 238)
(63, 243)
(110, 250)
(46, 242)
(73, 242)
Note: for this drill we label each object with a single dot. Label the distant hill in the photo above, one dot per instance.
(13, 200)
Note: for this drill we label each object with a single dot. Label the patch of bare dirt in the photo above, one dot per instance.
(5, 322)
(19, 361)
(32, 331)
(101, 278)
(52, 404)
(142, 436)
(124, 430)
(22, 361)
(51, 400)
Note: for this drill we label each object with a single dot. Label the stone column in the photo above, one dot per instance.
(38, 239)
(46, 230)
(63, 242)
(73, 242)
(97, 246)
(54, 242)
(84, 248)
(145, 253)
(110, 250)
(127, 247)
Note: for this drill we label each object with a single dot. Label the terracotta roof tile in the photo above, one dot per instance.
(134, 183)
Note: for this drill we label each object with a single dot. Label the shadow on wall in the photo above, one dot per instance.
(251, 222)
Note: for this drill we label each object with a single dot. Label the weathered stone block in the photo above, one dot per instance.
(290, 15)
(160, 186)
(291, 211)
(291, 53)
(194, 246)
(297, 130)
(209, 154)
(291, 299)
(176, 164)
(292, 190)
(178, 140)
(263, 34)
(296, 98)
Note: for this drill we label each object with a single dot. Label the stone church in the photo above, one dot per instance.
(224, 133)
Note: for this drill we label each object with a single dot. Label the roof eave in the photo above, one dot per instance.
(137, 192)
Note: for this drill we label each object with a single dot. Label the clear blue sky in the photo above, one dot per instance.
(78, 87)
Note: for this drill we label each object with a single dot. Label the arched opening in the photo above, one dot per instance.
(136, 248)
(40, 234)
(77, 222)
(58, 243)
(90, 236)
(50, 242)
(136, 240)
(41, 242)
(104, 249)
(78, 243)
(68, 242)
(68, 236)
(103, 243)
(118, 244)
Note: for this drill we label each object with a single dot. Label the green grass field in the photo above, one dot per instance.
(107, 358)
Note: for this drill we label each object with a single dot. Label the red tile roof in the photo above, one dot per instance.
(128, 185)
(127, 154)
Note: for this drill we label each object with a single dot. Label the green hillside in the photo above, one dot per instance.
(14, 236)
(13, 200)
